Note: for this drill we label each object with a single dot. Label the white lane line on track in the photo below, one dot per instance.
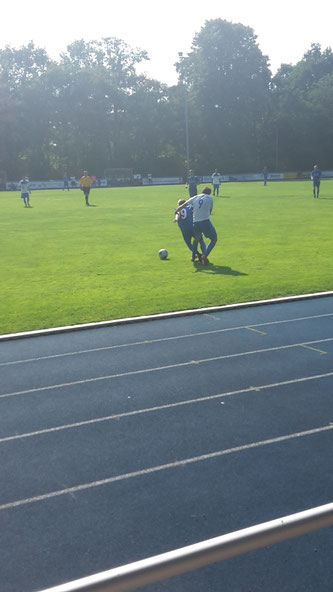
(171, 465)
(163, 339)
(163, 407)
(160, 368)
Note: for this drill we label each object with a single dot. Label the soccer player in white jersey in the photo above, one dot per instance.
(202, 208)
(24, 186)
(216, 182)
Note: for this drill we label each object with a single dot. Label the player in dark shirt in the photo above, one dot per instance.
(191, 184)
(315, 176)
(185, 222)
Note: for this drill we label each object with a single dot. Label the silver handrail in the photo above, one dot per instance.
(166, 565)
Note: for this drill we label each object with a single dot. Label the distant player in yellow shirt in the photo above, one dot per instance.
(85, 184)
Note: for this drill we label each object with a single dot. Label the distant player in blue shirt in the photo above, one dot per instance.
(191, 184)
(265, 174)
(315, 176)
(66, 183)
(184, 218)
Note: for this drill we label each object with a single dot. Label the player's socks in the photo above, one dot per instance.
(194, 249)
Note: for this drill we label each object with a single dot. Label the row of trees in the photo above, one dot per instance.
(91, 109)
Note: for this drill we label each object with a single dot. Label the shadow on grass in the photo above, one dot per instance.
(217, 269)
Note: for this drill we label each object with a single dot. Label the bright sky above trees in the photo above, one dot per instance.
(285, 29)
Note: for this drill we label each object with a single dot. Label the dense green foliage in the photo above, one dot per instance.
(91, 109)
(66, 263)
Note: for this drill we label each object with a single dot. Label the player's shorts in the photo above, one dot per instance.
(192, 189)
(86, 191)
(25, 195)
(206, 228)
(315, 183)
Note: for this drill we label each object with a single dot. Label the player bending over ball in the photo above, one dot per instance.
(24, 186)
(202, 208)
(185, 222)
(85, 184)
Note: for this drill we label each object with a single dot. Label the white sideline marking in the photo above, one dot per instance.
(135, 343)
(162, 407)
(159, 368)
(171, 465)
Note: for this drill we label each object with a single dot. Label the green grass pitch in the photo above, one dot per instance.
(64, 263)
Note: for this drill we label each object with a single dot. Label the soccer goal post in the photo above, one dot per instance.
(119, 176)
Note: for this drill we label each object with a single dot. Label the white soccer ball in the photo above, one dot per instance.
(163, 253)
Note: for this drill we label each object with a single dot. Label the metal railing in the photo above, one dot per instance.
(166, 565)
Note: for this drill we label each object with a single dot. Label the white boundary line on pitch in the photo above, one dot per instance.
(171, 465)
(162, 339)
(159, 368)
(168, 315)
(106, 418)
